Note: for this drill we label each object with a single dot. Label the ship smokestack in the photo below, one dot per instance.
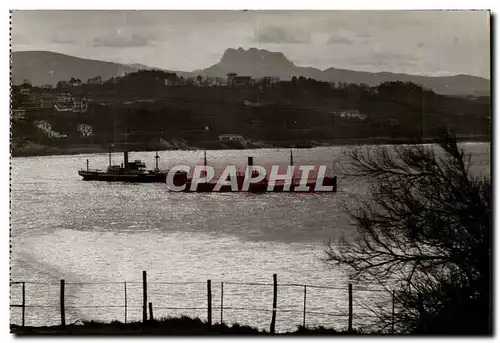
(125, 159)
(250, 161)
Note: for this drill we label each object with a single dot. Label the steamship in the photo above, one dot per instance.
(134, 171)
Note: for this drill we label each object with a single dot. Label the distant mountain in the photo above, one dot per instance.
(45, 67)
(258, 63)
(41, 67)
(255, 63)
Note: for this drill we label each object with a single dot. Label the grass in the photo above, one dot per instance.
(163, 326)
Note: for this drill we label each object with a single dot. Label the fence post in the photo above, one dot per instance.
(304, 317)
(125, 288)
(144, 297)
(275, 300)
(221, 300)
(209, 302)
(151, 312)
(63, 315)
(24, 301)
(392, 315)
(349, 325)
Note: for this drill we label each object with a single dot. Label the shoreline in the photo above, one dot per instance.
(99, 149)
(183, 326)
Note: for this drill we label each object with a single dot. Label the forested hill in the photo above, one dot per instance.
(140, 109)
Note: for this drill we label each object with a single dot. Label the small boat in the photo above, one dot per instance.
(135, 172)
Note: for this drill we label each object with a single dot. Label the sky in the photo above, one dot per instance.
(415, 42)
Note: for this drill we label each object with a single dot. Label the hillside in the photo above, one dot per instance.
(141, 111)
(43, 67)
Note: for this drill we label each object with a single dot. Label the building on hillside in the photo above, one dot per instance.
(46, 128)
(46, 101)
(352, 114)
(200, 81)
(171, 79)
(18, 114)
(43, 125)
(25, 91)
(234, 80)
(252, 103)
(47, 87)
(231, 138)
(80, 105)
(63, 85)
(219, 81)
(215, 82)
(181, 81)
(64, 97)
(230, 78)
(268, 81)
(85, 130)
(242, 81)
(27, 83)
(65, 102)
(94, 80)
(210, 82)
(75, 82)
(392, 121)
(274, 80)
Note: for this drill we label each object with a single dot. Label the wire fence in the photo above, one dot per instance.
(274, 306)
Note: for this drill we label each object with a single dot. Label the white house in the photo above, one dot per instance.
(352, 114)
(94, 80)
(252, 104)
(85, 130)
(64, 97)
(47, 129)
(231, 138)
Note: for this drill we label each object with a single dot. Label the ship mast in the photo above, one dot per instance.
(291, 157)
(110, 155)
(156, 160)
(205, 158)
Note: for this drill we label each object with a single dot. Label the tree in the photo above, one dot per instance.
(425, 232)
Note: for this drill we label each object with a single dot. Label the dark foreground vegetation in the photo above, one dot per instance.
(166, 326)
(425, 232)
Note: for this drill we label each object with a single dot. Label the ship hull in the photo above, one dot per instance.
(262, 187)
(133, 178)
